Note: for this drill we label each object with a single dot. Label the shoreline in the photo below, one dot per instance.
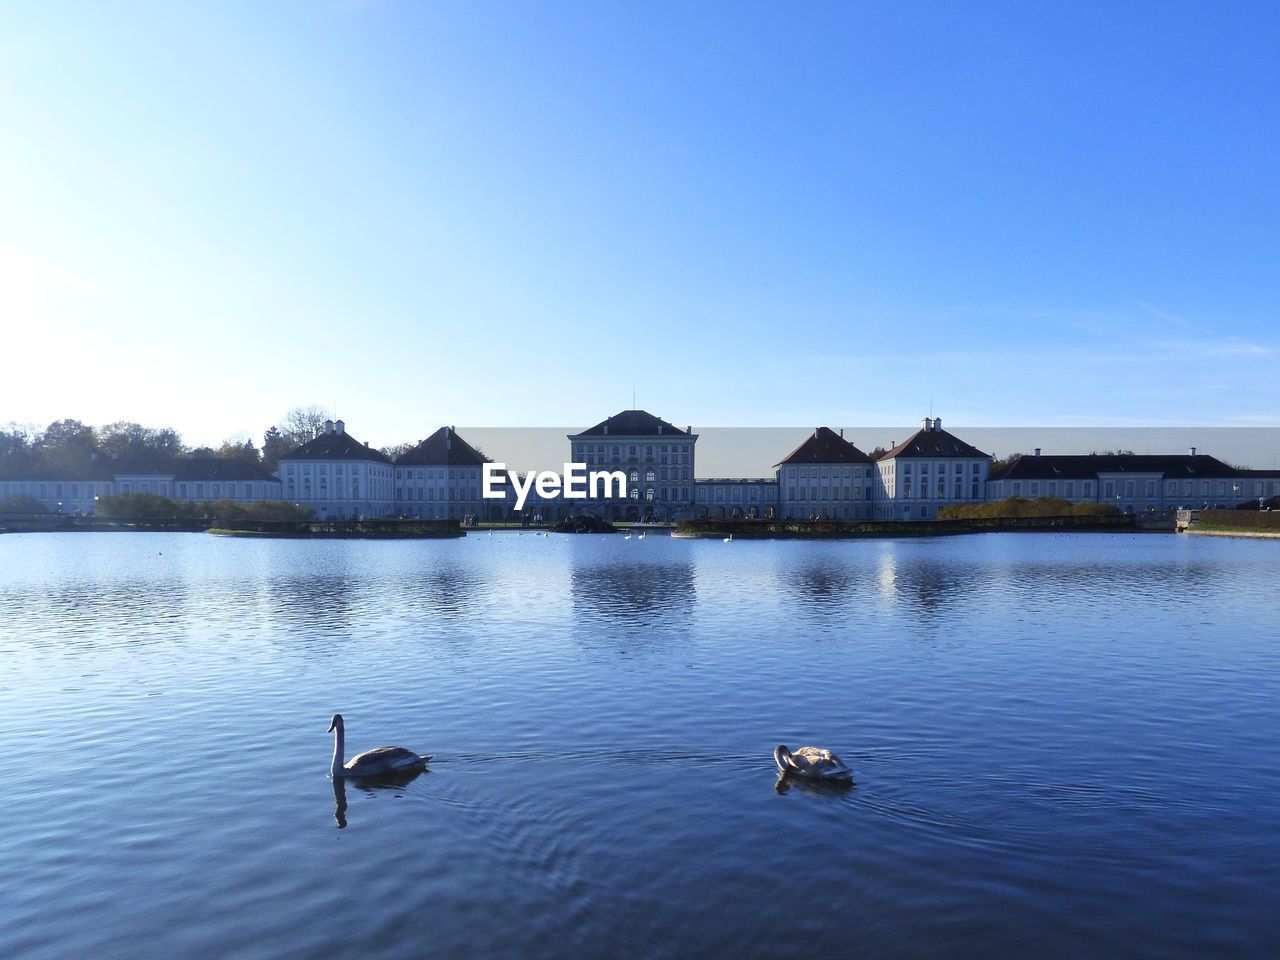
(1251, 534)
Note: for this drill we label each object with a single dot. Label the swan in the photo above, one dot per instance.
(812, 763)
(729, 538)
(372, 763)
(628, 536)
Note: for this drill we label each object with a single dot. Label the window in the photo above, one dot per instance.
(649, 476)
(635, 476)
(648, 494)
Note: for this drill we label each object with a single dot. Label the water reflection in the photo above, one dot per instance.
(815, 788)
(369, 786)
(452, 592)
(321, 602)
(644, 592)
(140, 613)
(824, 588)
(926, 583)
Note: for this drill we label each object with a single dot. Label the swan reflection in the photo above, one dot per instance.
(821, 788)
(369, 786)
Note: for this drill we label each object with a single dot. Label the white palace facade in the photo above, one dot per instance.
(824, 477)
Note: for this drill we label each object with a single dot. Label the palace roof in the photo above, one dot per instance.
(931, 441)
(633, 423)
(824, 445)
(1088, 466)
(444, 448)
(336, 444)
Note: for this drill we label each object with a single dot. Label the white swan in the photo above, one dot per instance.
(729, 538)
(812, 763)
(372, 763)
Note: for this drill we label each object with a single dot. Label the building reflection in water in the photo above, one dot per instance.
(922, 582)
(452, 592)
(826, 589)
(632, 593)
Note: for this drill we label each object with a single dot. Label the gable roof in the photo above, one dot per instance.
(824, 445)
(336, 445)
(933, 442)
(442, 448)
(633, 423)
(193, 468)
(1089, 466)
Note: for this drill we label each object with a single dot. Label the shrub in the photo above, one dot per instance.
(21, 505)
(1018, 507)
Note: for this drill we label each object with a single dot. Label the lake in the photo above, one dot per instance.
(1063, 746)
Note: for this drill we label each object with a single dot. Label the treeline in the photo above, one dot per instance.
(65, 445)
(1018, 507)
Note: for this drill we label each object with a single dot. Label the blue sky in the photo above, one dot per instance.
(752, 214)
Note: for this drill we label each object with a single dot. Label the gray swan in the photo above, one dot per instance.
(812, 763)
(377, 762)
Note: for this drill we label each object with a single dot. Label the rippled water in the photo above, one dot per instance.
(1063, 745)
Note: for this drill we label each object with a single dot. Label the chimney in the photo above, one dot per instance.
(842, 433)
(688, 429)
(1037, 451)
(928, 425)
(366, 444)
(937, 423)
(328, 426)
(339, 426)
(1192, 451)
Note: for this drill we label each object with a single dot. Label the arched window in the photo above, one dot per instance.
(649, 476)
(635, 493)
(635, 476)
(648, 494)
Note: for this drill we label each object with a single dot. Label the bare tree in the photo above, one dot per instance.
(304, 423)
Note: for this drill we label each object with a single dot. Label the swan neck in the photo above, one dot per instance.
(335, 768)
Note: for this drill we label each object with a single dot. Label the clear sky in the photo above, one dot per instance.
(752, 214)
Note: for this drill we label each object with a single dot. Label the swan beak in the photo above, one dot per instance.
(333, 724)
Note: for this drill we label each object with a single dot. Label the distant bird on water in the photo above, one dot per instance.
(729, 538)
(377, 762)
(812, 763)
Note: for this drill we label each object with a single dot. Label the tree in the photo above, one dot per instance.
(396, 451)
(298, 426)
(238, 448)
(16, 454)
(274, 446)
(304, 423)
(65, 444)
(128, 440)
(1000, 467)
